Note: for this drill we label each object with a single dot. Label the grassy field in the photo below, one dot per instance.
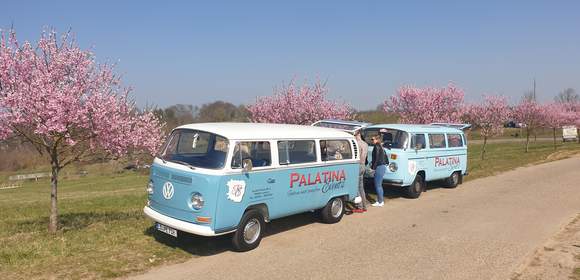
(104, 233)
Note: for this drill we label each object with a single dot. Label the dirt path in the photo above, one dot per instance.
(559, 258)
(484, 229)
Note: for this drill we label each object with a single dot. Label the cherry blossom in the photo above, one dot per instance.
(55, 96)
(427, 105)
(530, 114)
(489, 116)
(298, 105)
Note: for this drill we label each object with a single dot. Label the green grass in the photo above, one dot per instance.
(518, 133)
(104, 233)
(501, 157)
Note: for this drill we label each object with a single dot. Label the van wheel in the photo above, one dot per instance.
(250, 230)
(333, 211)
(416, 188)
(453, 180)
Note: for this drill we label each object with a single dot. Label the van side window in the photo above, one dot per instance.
(454, 140)
(436, 141)
(258, 152)
(299, 151)
(418, 141)
(335, 150)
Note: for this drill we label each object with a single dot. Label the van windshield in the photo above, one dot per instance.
(391, 138)
(195, 149)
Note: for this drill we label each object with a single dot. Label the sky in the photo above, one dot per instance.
(194, 52)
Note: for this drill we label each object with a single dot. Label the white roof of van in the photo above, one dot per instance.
(248, 131)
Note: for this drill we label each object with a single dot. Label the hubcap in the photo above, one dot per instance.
(336, 208)
(455, 178)
(417, 187)
(252, 231)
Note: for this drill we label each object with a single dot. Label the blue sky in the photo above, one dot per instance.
(198, 52)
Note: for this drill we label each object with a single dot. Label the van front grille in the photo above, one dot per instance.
(181, 179)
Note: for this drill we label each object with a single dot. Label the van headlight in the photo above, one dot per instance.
(150, 187)
(393, 167)
(196, 201)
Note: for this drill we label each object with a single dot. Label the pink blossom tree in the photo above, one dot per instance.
(427, 105)
(554, 116)
(298, 105)
(489, 116)
(54, 96)
(530, 114)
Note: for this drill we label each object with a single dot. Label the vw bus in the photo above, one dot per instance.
(419, 154)
(218, 178)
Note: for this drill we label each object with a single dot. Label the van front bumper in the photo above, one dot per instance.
(179, 224)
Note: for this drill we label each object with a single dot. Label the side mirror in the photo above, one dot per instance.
(247, 165)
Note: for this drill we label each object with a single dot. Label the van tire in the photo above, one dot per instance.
(416, 188)
(250, 231)
(333, 211)
(453, 180)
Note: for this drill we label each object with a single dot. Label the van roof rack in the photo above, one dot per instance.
(460, 126)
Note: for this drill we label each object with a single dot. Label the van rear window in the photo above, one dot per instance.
(299, 151)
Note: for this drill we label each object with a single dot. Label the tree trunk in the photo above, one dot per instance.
(554, 133)
(53, 219)
(527, 139)
(483, 148)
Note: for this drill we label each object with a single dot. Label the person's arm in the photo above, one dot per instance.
(385, 157)
(375, 157)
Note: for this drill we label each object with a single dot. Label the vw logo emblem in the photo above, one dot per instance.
(168, 190)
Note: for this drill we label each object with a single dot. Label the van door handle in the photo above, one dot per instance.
(271, 180)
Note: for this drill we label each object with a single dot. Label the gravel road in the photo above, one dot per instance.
(484, 229)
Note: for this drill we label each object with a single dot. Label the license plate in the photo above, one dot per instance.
(166, 229)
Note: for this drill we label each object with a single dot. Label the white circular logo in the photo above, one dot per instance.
(168, 190)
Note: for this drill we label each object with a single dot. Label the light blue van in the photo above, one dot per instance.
(420, 153)
(218, 178)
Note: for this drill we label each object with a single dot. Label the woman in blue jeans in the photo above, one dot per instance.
(379, 165)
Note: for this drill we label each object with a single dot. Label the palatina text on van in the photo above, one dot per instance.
(420, 153)
(232, 178)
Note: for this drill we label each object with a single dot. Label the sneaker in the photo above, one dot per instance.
(378, 204)
(359, 210)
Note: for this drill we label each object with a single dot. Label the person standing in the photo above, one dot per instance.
(379, 165)
(363, 151)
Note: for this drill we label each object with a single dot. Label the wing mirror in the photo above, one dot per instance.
(247, 165)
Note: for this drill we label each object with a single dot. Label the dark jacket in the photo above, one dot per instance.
(379, 157)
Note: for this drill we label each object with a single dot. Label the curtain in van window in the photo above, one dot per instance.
(436, 141)
(335, 150)
(454, 140)
(299, 151)
(258, 152)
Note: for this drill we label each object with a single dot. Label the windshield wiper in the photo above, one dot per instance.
(182, 162)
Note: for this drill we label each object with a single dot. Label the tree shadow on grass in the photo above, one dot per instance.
(207, 246)
(77, 221)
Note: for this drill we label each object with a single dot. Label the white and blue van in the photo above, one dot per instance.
(218, 178)
(420, 153)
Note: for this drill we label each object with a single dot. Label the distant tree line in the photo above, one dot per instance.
(218, 111)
